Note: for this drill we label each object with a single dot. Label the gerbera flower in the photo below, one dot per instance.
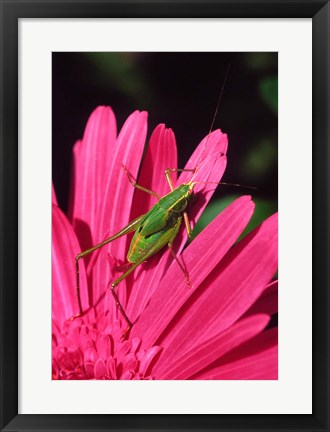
(217, 328)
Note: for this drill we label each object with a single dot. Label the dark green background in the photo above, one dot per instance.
(180, 90)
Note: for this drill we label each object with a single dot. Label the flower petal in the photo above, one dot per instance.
(256, 360)
(214, 143)
(212, 349)
(161, 154)
(229, 290)
(65, 247)
(92, 162)
(210, 161)
(100, 369)
(54, 199)
(147, 358)
(268, 301)
(117, 202)
(104, 346)
(172, 292)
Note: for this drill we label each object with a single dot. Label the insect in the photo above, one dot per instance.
(153, 230)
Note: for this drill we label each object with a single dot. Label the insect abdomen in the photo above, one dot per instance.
(140, 245)
(149, 234)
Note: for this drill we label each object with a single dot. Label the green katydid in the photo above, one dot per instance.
(153, 230)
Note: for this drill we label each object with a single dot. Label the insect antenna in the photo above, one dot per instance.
(219, 99)
(226, 184)
(213, 120)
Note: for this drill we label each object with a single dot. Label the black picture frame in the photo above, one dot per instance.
(11, 12)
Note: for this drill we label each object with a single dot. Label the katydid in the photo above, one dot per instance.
(153, 231)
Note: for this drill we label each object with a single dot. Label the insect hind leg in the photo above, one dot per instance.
(112, 286)
(120, 308)
(137, 186)
(127, 229)
(184, 271)
(170, 246)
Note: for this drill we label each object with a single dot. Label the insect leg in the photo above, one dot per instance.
(129, 228)
(170, 245)
(133, 183)
(113, 285)
(186, 274)
(169, 178)
(187, 224)
(170, 182)
(155, 248)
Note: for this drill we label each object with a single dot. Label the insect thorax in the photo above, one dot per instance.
(177, 200)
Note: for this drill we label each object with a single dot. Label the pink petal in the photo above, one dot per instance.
(148, 358)
(65, 247)
(100, 369)
(104, 346)
(93, 159)
(90, 355)
(214, 143)
(117, 201)
(210, 160)
(68, 358)
(119, 193)
(268, 301)
(228, 292)
(200, 258)
(135, 345)
(112, 370)
(123, 350)
(130, 362)
(127, 375)
(206, 353)
(54, 199)
(161, 154)
(256, 360)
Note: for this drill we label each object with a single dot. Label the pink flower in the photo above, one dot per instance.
(217, 328)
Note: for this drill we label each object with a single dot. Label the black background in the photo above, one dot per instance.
(181, 90)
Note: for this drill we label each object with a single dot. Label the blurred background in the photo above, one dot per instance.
(180, 90)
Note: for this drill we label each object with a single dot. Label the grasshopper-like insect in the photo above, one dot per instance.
(154, 230)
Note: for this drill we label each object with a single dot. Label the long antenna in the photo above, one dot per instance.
(219, 99)
(227, 184)
(212, 124)
(214, 117)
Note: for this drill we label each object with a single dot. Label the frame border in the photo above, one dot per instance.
(10, 12)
